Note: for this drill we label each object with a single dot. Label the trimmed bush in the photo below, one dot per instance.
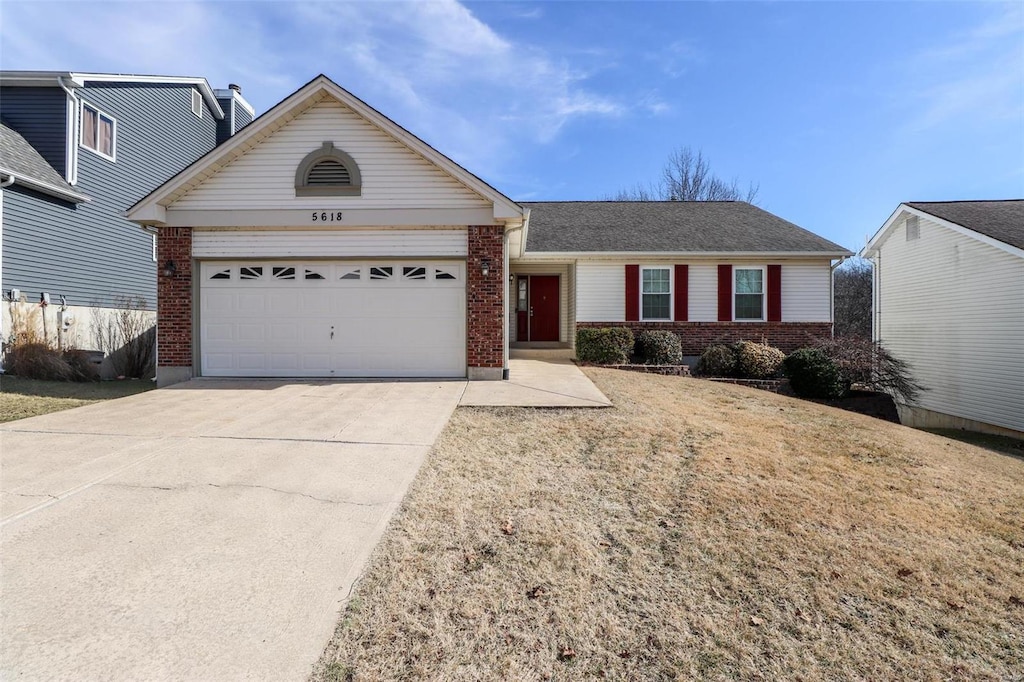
(757, 360)
(812, 374)
(605, 346)
(659, 347)
(717, 361)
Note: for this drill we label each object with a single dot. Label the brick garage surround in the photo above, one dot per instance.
(174, 298)
(696, 336)
(485, 338)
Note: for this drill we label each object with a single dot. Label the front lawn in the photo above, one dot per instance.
(21, 398)
(695, 531)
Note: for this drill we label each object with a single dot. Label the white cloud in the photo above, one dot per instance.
(432, 66)
(975, 77)
(677, 58)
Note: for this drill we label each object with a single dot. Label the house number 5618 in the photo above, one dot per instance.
(326, 217)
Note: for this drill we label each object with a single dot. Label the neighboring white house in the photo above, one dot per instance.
(949, 300)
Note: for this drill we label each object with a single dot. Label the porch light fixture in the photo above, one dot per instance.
(169, 268)
(485, 267)
(511, 278)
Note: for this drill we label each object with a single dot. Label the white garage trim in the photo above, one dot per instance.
(379, 318)
(328, 243)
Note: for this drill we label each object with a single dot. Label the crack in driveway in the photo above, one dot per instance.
(246, 485)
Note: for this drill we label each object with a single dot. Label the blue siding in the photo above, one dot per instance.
(242, 118)
(236, 116)
(89, 252)
(40, 115)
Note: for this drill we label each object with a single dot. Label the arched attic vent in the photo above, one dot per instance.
(327, 172)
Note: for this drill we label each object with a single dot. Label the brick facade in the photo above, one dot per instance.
(485, 297)
(696, 336)
(174, 298)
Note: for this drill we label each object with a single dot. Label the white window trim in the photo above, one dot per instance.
(154, 246)
(764, 292)
(197, 98)
(671, 292)
(113, 131)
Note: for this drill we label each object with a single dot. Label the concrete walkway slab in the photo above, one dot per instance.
(207, 532)
(537, 379)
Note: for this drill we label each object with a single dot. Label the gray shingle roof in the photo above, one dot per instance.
(666, 226)
(22, 159)
(1002, 220)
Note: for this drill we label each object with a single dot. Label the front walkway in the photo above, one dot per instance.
(537, 378)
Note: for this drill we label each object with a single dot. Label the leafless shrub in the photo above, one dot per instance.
(853, 284)
(127, 336)
(873, 366)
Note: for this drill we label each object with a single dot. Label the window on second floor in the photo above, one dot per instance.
(98, 131)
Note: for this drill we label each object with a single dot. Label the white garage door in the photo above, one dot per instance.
(333, 319)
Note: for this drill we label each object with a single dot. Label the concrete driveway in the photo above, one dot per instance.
(204, 532)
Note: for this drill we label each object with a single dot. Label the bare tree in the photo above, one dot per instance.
(852, 296)
(687, 176)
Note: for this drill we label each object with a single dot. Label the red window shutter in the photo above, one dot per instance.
(775, 293)
(632, 293)
(725, 293)
(682, 293)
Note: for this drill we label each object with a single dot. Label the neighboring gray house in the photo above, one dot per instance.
(76, 151)
(949, 300)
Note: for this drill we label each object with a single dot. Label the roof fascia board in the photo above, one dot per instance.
(505, 210)
(45, 187)
(201, 83)
(78, 80)
(693, 255)
(883, 233)
(200, 168)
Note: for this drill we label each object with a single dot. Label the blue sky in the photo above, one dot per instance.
(839, 111)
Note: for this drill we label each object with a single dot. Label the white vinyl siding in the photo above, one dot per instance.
(565, 296)
(703, 301)
(327, 243)
(393, 176)
(805, 293)
(953, 307)
(600, 292)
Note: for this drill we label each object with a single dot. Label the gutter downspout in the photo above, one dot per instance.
(505, 286)
(3, 183)
(832, 292)
(72, 153)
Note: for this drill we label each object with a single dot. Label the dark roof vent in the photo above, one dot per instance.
(236, 87)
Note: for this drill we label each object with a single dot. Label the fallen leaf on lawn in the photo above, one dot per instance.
(904, 573)
(536, 592)
(567, 653)
(756, 622)
(667, 523)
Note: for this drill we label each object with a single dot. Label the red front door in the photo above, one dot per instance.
(543, 293)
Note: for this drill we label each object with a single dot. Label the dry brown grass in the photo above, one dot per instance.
(21, 398)
(695, 531)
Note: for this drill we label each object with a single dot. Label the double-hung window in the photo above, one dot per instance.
(98, 131)
(656, 293)
(749, 293)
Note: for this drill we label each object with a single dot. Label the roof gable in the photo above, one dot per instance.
(299, 124)
(1001, 220)
(980, 220)
(680, 227)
